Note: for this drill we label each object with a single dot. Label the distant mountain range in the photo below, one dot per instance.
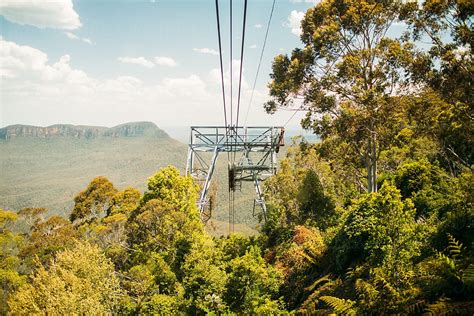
(48, 166)
(135, 129)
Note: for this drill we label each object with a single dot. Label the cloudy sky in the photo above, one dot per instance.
(110, 62)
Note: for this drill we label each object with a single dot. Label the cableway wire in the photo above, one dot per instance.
(231, 67)
(293, 115)
(259, 62)
(238, 99)
(223, 93)
(241, 61)
(231, 155)
(220, 58)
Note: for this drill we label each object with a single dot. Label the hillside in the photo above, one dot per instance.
(48, 166)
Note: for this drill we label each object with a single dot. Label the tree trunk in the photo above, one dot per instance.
(374, 162)
(371, 163)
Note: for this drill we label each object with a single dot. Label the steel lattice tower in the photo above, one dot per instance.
(254, 147)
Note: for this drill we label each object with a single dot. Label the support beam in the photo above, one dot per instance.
(256, 146)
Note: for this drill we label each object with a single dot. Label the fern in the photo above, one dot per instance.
(454, 247)
(454, 250)
(339, 305)
(326, 278)
(309, 306)
(416, 307)
(468, 275)
(444, 307)
(366, 290)
(440, 307)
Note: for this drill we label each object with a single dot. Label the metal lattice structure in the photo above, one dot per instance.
(254, 149)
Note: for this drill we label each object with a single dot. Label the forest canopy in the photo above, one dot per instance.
(376, 218)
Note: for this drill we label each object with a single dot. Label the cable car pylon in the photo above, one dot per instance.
(256, 148)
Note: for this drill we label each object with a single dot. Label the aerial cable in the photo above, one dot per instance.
(241, 61)
(238, 99)
(260, 62)
(220, 57)
(231, 67)
(293, 115)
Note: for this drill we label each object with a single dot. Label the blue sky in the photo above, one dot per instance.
(109, 62)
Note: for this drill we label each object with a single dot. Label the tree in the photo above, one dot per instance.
(32, 214)
(347, 76)
(168, 219)
(125, 202)
(381, 227)
(159, 227)
(445, 70)
(204, 277)
(252, 283)
(6, 218)
(10, 263)
(94, 201)
(47, 238)
(168, 186)
(303, 191)
(78, 281)
(426, 185)
(150, 286)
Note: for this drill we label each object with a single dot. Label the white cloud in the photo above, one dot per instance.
(26, 63)
(59, 14)
(206, 50)
(253, 46)
(37, 91)
(215, 76)
(165, 61)
(142, 61)
(258, 26)
(294, 21)
(72, 36)
(306, 1)
(77, 38)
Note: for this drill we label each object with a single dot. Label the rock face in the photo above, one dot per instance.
(135, 129)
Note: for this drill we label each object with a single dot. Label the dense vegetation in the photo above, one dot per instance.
(377, 218)
(48, 172)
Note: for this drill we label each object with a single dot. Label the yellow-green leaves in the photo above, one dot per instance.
(94, 201)
(78, 281)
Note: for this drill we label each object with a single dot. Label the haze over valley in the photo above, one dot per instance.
(48, 166)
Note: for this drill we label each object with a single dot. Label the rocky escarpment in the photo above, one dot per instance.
(135, 129)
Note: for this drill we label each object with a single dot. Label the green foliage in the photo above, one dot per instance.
(338, 305)
(94, 201)
(204, 278)
(6, 218)
(160, 304)
(251, 282)
(303, 191)
(380, 228)
(160, 227)
(47, 238)
(348, 74)
(426, 185)
(298, 258)
(78, 281)
(458, 220)
(376, 219)
(234, 245)
(10, 264)
(167, 185)
(125, 202)
(151, 286)
(446, 67)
